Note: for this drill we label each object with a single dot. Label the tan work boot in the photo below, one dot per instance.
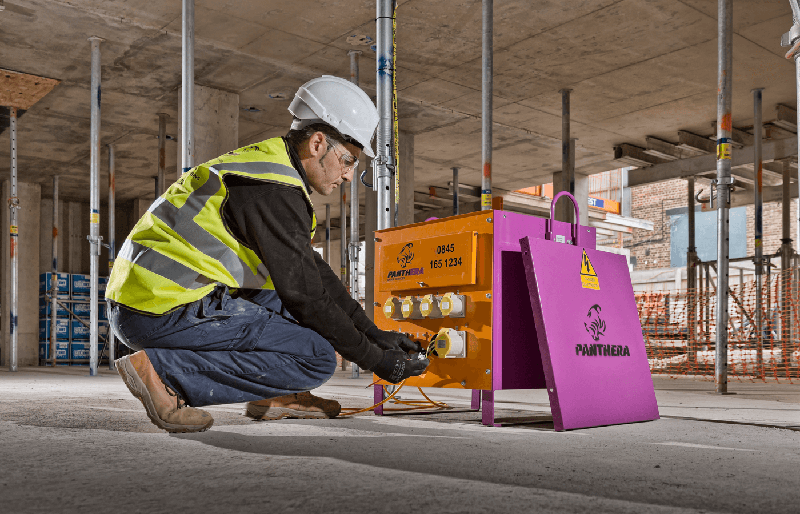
(163, 406)
(298, 405)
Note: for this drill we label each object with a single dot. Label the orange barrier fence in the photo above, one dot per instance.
(680, 330)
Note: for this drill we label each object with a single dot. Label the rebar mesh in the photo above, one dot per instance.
(680, 330)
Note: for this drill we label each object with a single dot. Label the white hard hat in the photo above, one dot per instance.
(339, 103)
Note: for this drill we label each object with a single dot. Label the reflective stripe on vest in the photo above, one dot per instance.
(183, 258)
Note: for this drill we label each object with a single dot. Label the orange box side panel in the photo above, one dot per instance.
(471, 236)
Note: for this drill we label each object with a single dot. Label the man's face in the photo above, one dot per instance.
(324, 163)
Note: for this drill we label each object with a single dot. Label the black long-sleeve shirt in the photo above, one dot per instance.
(274, 220)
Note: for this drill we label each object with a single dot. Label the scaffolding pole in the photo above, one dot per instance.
(112, 240)
(691, 275)
(187, 87)
(792, 38)
(384, 162)
(343, 236)
(786, 263)
(13, 205)
(162, 153)
(487, 92)
(354, 214)
(759, 225)
(54, 279)
(94, 203)
(724, 182)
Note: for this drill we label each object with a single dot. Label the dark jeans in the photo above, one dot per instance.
(228, 348)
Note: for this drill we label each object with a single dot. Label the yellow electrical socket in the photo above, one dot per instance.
(429, 306)
(410, 308)
(453, 305)
(392, 308)
(449, 344)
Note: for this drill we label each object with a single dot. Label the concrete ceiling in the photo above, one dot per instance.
(637, 68)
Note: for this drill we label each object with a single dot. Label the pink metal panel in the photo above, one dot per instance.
(591, 344)
(516, 362)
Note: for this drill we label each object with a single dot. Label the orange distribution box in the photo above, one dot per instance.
(450, 255)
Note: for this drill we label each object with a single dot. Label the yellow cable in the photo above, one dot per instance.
(413, 404)
(357, 411)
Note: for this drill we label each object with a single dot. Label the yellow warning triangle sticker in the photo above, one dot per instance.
(589, 278)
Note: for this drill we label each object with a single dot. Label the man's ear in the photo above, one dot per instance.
(317, 144)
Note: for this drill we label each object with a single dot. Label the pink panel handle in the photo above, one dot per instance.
(575, 226)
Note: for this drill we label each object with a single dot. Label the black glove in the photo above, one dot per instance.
(386, 340)
(397, 366)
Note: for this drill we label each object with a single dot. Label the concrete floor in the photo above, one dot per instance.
(74, 443)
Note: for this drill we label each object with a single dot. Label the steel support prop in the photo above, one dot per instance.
(792, 38)
(162, 153)
(94, 203)
(759, 226)
(567, 153)
(354, 214)
(487, 92)
(343, 236)
(455, 191)
(724, 183)
(691, 276)
(13, 205)
(383, 164)
(187, 87)
(54, 280)
(786, 263)
(112, 240)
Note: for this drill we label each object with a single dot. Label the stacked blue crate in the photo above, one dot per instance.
(80, 288)
(62, 317)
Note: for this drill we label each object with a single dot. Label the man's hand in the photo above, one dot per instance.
(397, 366)
(386, 340)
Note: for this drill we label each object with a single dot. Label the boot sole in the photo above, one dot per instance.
(276, 413)
(139, 390)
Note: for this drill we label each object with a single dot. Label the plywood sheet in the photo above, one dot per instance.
(21, 90)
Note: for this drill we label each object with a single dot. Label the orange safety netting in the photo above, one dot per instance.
(680, 329)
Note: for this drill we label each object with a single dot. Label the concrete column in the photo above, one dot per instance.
(77, 255)
(216, 124)
(46, 237)
(370, 225)
(28, 247)
(582, 196)
(140, 206)
(626, 194)
(406, 214)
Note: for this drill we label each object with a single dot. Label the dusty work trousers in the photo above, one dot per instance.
(228, 349)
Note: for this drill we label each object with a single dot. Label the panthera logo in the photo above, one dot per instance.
(595, 326)
(406, 255)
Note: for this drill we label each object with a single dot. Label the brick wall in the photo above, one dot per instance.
(650, 202)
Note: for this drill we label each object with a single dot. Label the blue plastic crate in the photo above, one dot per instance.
(61, 351)
(80, 332)
(82, 310)
(80, 286)
(45, 307)
(63, 284)
(80, 352)
(62, 329)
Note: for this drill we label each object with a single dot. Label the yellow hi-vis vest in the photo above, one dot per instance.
(181, 249)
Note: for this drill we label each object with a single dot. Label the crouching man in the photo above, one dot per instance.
(220, 293)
